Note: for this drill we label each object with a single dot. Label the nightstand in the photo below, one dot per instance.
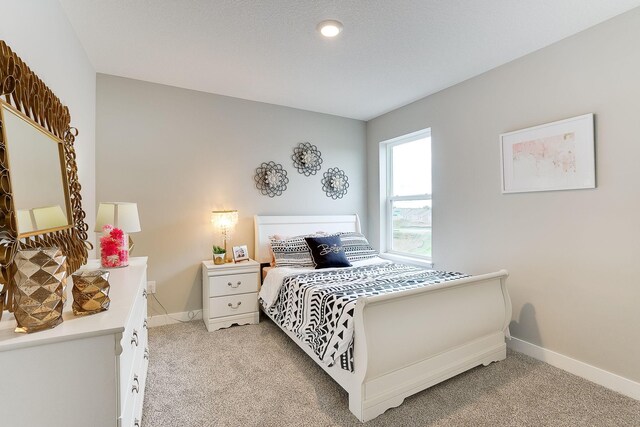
(230, 294)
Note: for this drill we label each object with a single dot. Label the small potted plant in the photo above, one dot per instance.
(218, 255)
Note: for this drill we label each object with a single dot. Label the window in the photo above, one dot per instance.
(408, 207)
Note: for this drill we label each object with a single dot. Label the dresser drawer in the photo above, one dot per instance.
(132, 384)
(233, 304)
(134, 344)
(232, 284)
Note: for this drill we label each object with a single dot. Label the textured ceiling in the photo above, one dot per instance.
(390, 53)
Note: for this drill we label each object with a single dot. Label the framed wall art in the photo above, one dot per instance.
(549, 157)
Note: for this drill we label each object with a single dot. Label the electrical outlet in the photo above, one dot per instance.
(151, 286)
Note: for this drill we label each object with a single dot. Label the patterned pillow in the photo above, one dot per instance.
(327, 252)
(356, 246)
(291, 251)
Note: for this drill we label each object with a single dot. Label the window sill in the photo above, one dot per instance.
(407, 260)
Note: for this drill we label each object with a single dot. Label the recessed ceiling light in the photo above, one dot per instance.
(330, 28)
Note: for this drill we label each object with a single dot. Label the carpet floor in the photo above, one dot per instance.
(256, 376)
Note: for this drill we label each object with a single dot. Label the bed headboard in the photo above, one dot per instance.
(295, 225)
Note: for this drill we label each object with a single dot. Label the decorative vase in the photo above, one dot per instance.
(39, 279)
(90, 292)
(114, 247)
(218, 259)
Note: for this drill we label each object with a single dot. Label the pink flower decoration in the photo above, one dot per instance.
(114, 248)
(117, 234)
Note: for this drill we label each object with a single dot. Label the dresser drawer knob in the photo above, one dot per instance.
(134, 337)
(136, 423)
(146, 353)
(144, 293)
(145, 324)
(136, 385)
(234, 286)
(238, 305)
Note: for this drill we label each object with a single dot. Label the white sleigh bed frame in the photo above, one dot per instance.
(408, 341)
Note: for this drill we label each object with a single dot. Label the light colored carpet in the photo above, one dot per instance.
(256, 376)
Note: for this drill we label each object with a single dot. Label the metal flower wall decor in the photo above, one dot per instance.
(271, 179)
(307, 158)
(335, 183)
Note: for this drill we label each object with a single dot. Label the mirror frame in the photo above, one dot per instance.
(27, 94)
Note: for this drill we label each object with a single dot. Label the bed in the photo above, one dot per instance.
(406, 341)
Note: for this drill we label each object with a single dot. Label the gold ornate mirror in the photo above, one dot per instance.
(40, 202)
(38, 174)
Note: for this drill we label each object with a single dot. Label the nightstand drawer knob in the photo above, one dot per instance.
(231, 305)
(234, 286)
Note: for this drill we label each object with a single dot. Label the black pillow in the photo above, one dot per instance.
(327, 252)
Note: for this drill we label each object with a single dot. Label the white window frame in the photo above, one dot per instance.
(389, 198)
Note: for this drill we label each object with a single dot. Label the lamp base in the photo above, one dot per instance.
(227, 255)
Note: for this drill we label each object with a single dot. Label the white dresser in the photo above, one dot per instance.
(87, 371)
(230, 294)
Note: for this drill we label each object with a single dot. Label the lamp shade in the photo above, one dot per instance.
(25, 222)
(49, 217)
(122, 215)
(224, 219)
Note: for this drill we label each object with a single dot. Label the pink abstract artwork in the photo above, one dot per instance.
(549, 157)
(552, 157)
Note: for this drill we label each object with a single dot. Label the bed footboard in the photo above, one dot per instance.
(408, 341)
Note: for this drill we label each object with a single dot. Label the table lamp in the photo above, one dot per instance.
(25, 221)
(49, 217)
(225, 221)
(122, 215)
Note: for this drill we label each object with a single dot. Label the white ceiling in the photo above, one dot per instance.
(390, 53)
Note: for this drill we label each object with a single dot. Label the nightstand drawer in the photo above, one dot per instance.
(233, 304)
(233, 284)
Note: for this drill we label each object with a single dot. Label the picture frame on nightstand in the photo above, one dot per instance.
(240, 253)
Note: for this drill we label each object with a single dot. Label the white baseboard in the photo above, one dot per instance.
(171, 318)
(599, 376)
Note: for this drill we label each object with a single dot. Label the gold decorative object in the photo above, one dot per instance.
(25, 93)
(90, 292)
(40, 279)
(218, 258)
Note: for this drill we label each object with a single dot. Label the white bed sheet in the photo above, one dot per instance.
(275, 277)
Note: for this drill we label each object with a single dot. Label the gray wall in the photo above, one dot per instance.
(572, 255)
(180, 154)
(40, 33)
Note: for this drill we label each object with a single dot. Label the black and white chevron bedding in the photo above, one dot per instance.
(318, 306)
